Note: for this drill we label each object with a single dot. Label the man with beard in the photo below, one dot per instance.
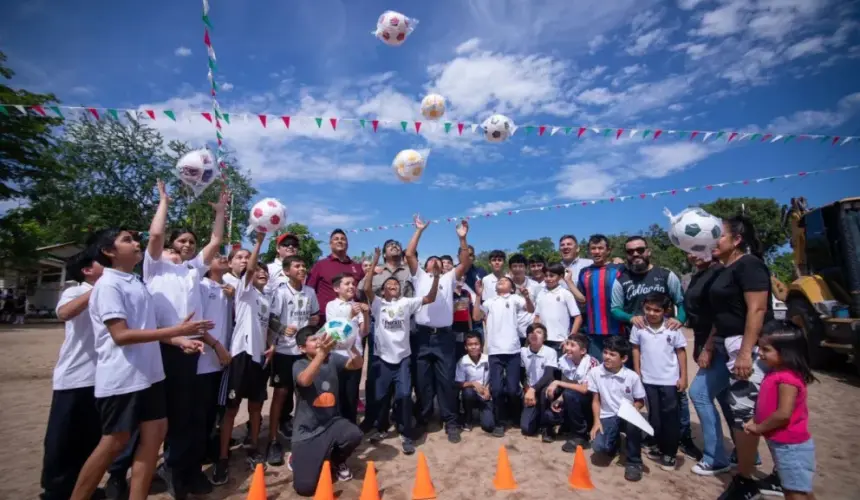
(287, 246)
(338, 262)
(570, 259)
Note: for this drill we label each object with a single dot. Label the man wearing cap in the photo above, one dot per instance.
(288, 245)
(338, 262)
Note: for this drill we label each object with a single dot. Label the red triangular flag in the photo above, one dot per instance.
(746, 182)
(218, 124)
(460, 128)
(208, 116)
(38, 109)
(333, 122)
(94, 112)
(643, 195)
(732, 136)
(657, 134)
(541, 130)
(766, 137)
(212, 92)
(674, 192)
(618, 133)
(835, 140)
(694, 134)
(286, 120)
(581, 131)
(611, 200)
(709, 187)
(801, 174)
(417, 127)
(151, 114)
(206, 38)
(262, 120)
(375, 124)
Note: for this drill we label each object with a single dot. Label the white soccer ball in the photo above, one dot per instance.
(341, 331)
(695, 231)
(409, 165)
(393, 28)
(433, 106)
(197, 170)
(498, 128)
(268, 215)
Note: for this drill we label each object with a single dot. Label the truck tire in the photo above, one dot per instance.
(801, 312)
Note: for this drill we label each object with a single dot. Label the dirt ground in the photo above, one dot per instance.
(458, 471)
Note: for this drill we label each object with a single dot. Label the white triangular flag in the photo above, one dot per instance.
(633, 132)
(847, 139)
(21, 109)
(474, 127)
(707, 134)
(205, 7)
(132, 114)
(778, 137)
(554, 130)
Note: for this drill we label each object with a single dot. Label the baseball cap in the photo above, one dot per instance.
(287, 236)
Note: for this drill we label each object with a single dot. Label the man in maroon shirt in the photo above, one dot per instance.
(327, 268)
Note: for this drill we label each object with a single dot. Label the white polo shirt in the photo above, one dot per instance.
(276, 275)
(614, 387)
(438, 314)
(532, 286)
(555, 308)
(76, 365)
(391, 333)
(252, 321)
(576, 372)
(216, 308)
(489, 281)
(294, 308)
(231, 280)
(502, 314)
(341, 309)
(175, 288)
(658, 361)
(471, 371)
(536, 362)
(575, 268)
(129, 368)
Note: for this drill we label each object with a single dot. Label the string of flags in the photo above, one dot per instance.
(215, 116)
(412, 126)
(613, 199)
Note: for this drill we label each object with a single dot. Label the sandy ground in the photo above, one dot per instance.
(459, 471)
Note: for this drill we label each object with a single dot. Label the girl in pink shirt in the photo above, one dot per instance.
(781, 415)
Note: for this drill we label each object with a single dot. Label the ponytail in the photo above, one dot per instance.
(742, 227)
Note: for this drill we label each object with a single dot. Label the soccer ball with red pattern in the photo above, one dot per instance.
(393, 28)
(268, 215)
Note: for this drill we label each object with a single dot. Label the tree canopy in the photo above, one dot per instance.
(309, 248)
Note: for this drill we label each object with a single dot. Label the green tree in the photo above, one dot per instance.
(544, 247)
(765, 213)
(782, 267)
(309, 247)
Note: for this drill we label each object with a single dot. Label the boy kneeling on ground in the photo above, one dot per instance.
(319, 432)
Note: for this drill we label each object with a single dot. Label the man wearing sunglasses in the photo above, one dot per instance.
(288, 245)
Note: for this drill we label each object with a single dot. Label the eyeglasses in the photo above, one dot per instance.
(637, 251)
(290, 245)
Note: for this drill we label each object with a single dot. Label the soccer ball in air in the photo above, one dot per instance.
(409, 165)
(695, 231)
(498, 128)
(393, 28)
(268, 215)
(341, 331)
(196, 170)
(433, 106)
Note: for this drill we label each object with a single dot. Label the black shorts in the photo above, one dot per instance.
(246, 379)
(125, 412)
(282, 370)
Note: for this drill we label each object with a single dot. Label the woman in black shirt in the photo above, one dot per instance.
(739, 302)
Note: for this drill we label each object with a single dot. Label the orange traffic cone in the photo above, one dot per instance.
(258, 485)
(325, 490)
(580, 478)
(504, 475)
(370, 488)
(423, 489)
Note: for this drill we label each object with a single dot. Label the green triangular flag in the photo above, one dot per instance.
(825, 138)
(212, 65)
(789, 138)
(606, 132)
(529, 129)
(719, 134)
(682, 133)
(218, 135)
(567, 130)
(170, 114)
(215, 86)
(646, 133)
(447, 127)
(403, 125)
(362, 122)
(113, 113)
(217, 113)
(56, 109)
(3, 110)
(755, 137)
(226, 117)
(207, 22)
(319, 122)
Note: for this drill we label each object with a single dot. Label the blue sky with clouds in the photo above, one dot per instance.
(787, 66)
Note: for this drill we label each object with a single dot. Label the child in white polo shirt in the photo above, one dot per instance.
(346, 308)
(473, 379)
(570, 395)
(611, 383)
(497, 266)
(554, 307)
(73, 422)
(391, 363)
(660, 359)
(539, 363)
(295, 306)
(503, 346)
(129, 376)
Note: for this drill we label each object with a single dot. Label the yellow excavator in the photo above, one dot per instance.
(825, 298)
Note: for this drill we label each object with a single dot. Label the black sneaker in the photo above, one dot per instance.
(286, 429)
(668, 463)
(377, 437)
(467, 426)
(653, 454)
(220, 475)
(453, 434)
(407, 445)
(99, 494)
(116, 487)
(633, 472)
(703, 469)
(275, 454)
(771, 486)
(198, 483)
(547, 435)
(255, 458)
(498, 431)
(741, 488)
(690, 450)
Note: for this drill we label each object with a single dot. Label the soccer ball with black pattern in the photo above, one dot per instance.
(498, 128)
(695, 232)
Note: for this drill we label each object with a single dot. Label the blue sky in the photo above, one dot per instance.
(788, 66)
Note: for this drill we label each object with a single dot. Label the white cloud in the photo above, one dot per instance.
(533, 151)
(493, 206)
(469, 45)
(811, 120)
(595, 43)
(583, 181)
(725, 20)
(650, 40)
(599, 96)
(318, 213)
(660, 161)
(638, 98)
(226, 86)
(182, 52)
(689, 4)
(529, 198)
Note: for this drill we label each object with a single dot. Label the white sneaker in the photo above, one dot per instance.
(703, 469)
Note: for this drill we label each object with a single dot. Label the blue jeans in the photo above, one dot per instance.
(576, 413)
(709, 384)
(391, 380)
(505, 386)
(606, 442)
(472, 401)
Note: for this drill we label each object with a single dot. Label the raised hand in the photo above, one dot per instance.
(260, 237)
(420, 224)
(377, 253)
(463, 228)
(479, 287)
(162, 191)
(228, 290)
(221, 204)
(437, 268)
(327, 344)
